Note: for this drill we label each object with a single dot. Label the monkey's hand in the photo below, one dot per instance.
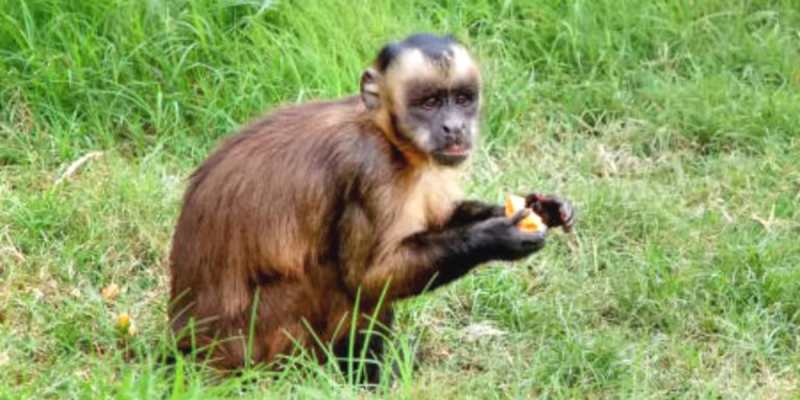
(501, 238)
(554, 210)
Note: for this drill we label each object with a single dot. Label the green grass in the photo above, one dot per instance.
(674, 126)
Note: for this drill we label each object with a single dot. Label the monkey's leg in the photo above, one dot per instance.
(218, 353)
(372, 346)
(408, 358)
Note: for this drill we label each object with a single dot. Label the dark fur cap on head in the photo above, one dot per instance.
(433, 46)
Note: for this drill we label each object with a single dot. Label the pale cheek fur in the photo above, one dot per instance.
(474, 129)
(422, 138)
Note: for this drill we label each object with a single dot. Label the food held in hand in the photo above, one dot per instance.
(532, 222)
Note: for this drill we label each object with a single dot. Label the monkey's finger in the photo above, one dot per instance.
(533, 199)
(546, 204)
(537, 236)
(555, 202)
(534, 241)
(519, 216)
(567, 215)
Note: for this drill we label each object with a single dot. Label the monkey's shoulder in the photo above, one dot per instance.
(305, 118)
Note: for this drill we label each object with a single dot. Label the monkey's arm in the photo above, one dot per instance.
(471, 211)
(434, 258)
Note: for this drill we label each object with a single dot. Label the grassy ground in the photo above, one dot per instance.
(674, 125)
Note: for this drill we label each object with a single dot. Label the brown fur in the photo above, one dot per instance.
(305, 207)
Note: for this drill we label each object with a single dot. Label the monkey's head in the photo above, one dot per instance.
(425, 93)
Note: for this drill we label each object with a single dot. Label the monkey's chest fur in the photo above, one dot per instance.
(425, 203)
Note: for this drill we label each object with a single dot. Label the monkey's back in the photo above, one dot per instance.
(262, 209)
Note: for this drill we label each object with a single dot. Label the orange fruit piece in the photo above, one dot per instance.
(532, 223)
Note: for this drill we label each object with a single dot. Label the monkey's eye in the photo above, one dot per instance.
(430, 103)
(463, 100)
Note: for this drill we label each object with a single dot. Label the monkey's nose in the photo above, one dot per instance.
(456, 129)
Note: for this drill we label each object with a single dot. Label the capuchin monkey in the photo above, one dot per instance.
(302, 213)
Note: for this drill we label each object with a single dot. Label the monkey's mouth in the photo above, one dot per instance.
(451, 155)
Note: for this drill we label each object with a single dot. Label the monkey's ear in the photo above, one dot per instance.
(370, 89)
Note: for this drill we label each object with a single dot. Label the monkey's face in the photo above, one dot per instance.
(437, 104)
(430, 88)
(441, 120)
